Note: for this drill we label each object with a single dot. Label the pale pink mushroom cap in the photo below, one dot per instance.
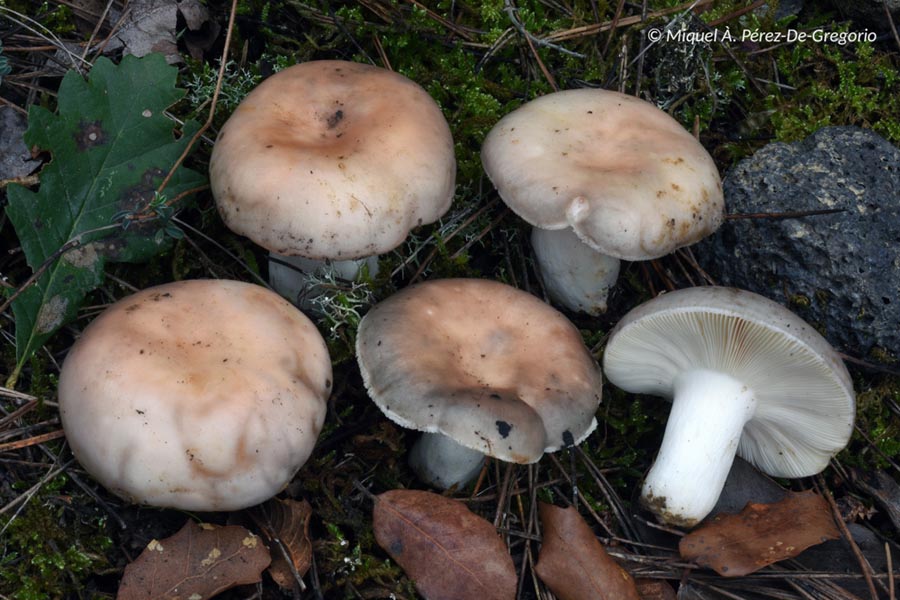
(199, 395)
(629, 179)
(333, 160)
(483, 363)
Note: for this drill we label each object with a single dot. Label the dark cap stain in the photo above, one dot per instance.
(89, 135)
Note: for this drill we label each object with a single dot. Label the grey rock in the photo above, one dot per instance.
(868, 13)
(837, 556)
(15, 159)
(840, 272)
(746, 484)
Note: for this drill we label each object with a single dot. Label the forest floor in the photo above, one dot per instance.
(64, 536)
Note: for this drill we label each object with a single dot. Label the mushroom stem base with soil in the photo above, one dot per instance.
(709, 411)
(301, 279)
(439, 461)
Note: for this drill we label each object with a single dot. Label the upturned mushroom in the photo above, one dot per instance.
(745, 376)
(484, 369)
(200, 395)
(623, 176)
(332, 162)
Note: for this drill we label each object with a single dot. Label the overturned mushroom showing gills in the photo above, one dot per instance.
(484, 369)
(199, 395)
(626, 178)
(745, 375)
(332, 161)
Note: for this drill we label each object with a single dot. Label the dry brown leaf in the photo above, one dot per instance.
(198, 562)
(287, 522)
(654, 589)
(761, 534)
(449, 552)
(573, 563)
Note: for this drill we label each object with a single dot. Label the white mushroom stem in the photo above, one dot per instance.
(574, 274)
(709, 411)
(439, 461)
(299, 279)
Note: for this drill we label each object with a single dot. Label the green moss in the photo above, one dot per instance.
(836, 85)
(46, 550)
(799, 301)
(882, 356)
(53, 17)
(877, 419)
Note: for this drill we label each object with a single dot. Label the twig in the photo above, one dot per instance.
(19, 412)
(481, 233)
(32, 441)
(639, 71)
(612, 28)
(381, 53)
(532, 40)
(25, 21)
(25, 496)
(222, 248)
(868, 365)
(863, 563)
(595, 28)
(799, 214)
(215, 99)
(438, 18)
(689, 256)
(890, 570)
(890, 19)
(520, 27)
(663, 275)
(97, 27)
(503, 499)
(443, 240)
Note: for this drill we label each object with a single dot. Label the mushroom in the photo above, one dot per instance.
(745, 375)
(484, 369)
(199, 395)
(626, 178)
(332, 161)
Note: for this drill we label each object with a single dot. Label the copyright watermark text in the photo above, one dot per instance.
(788, 36)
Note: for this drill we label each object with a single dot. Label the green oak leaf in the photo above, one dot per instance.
(111, 147)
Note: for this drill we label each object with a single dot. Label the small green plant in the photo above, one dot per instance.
(338, 302)
(237, 82)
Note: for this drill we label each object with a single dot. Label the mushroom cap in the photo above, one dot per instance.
(333, 160)
(627, 177)
(805, 399)
(486, 364)
(198, 395)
